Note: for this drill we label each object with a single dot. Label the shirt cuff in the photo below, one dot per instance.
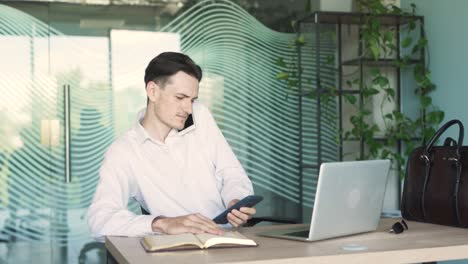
(146, 223)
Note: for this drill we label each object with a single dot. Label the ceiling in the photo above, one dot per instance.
(95, 17)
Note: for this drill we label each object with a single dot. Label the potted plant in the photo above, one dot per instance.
(393, 127)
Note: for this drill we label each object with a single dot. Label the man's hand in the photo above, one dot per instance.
(192, 223)
(240, 217)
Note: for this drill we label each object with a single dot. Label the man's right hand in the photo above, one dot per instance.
(192, 223)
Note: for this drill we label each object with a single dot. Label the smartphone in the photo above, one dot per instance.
(248, 201)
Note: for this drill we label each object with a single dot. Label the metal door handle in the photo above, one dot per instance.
(66, 92)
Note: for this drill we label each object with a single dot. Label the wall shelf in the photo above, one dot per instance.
(346, 30)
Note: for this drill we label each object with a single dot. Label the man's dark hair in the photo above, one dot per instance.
(169, 63)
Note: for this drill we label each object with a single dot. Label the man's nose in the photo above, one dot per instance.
(187, 107)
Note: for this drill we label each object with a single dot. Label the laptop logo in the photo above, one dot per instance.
(353, 198)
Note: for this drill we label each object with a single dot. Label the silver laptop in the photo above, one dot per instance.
(349, 200)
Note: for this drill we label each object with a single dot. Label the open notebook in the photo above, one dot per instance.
(156, 243)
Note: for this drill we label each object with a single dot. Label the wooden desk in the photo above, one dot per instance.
(421, 243)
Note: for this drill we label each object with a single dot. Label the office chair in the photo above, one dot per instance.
(98, 246)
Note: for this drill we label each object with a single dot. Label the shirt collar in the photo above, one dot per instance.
(143, 135)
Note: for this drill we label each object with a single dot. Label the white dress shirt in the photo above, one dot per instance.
(193, 171)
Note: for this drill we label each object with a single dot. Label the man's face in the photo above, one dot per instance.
(173, 102)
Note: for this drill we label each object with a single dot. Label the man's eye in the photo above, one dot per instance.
(179, 97)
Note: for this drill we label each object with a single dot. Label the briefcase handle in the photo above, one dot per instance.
(458, 166)
(441, 131)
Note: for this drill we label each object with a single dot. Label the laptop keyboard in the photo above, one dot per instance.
(304, 233)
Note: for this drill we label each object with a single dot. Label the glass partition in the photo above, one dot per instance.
(104, 73)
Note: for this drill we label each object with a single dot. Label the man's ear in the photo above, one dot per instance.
(152, 91)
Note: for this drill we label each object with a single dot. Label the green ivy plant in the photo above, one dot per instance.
(379, 42)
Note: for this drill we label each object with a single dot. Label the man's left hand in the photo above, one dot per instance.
(239, 217)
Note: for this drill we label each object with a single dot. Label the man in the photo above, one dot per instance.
(175, 162)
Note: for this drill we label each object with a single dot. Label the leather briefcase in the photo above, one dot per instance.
(436, 182)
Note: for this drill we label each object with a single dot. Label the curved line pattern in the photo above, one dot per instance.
(252, 108)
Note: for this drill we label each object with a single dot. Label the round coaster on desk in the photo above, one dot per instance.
(353, 247)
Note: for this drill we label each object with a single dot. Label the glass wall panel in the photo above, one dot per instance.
(103, 66)
(251, 107)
